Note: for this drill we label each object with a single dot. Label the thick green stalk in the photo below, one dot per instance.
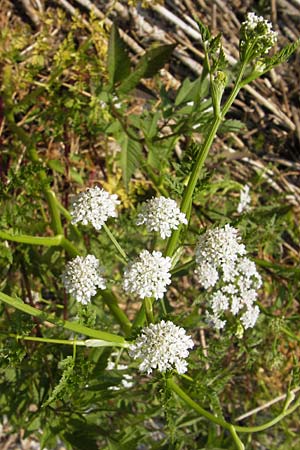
(228, 426)
(51, 241)
(69, 247)
(200, 160)
(235, 437)
(111, 301)
(187, 399)
(189, 190)
(148, 309)
(72, 326)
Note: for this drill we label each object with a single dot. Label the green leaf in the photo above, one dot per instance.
(118, 62)
(215, 44)
(282, 56)
(149, 64)
(56, 165)
(263, 66)
(6, 253)
(132, 80)
(232, 125)
(149, 125)
(75, 176)
(130, 157)
(47, 436)
(189, 91)
(156, 58)
(204, 31)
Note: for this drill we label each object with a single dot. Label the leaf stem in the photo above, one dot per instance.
(116, 244)
(72, 326)
(74, 342)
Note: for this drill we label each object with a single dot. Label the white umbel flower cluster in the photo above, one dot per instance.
(94, 206)
(233, 277)
(245, 199)
(258, 31)
(161, 214)
(82, 277)
(162, 346)
(148, 275)
(217, 249)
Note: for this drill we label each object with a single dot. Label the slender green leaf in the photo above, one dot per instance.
(130, 157)
(150, 63)
(118, 62)
(156, 58)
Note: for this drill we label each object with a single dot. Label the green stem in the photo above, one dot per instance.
(200, 160)
(228, 426)
(290, 333)
(116, 244)
(51, 241)
(69, 247)
(235, 437)
(183, 269)
(148, 309)
(56, 224)
(111, 301)
(72, 326)
(271, 423)
(82, 343)
(187, 399)
(163, 307)
(139, 318)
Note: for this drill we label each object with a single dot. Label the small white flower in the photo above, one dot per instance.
(161, 214)
(259, 31)
(94, 206)
(219, 302)
(231, 276)
(238, 296)
(245, 199)
(214, 321)
(162, 346)
(217, 248)
(207, 275)
(249, 318)
(82, 277)
(148, 275)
